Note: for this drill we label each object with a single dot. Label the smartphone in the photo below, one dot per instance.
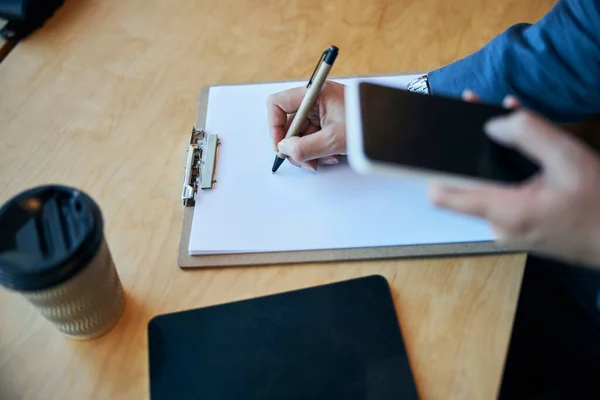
(397, 132)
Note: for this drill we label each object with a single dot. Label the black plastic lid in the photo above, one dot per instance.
(47, 235)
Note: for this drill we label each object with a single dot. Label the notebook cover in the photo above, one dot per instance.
(335, 341)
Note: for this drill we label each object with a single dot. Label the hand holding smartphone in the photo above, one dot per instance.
(395, 132)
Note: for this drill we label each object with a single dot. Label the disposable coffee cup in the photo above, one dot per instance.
(53, 252)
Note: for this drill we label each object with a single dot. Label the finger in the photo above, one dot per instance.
(308, 165)
(279, 106)
(310, 147)
(290, 119)
(510, 102)
(464, 201)
(331, 160)
(306, 127)
(294, 163)
(487, 201)
(309, 128)
(539, 139)
(512, 211)
(470, 96)
(311, 165)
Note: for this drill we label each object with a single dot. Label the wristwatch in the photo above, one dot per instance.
(419, 85)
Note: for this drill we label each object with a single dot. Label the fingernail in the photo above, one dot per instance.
(469, 95)
(510, 101)
(330, 161)
(309, 168)
(283, 147)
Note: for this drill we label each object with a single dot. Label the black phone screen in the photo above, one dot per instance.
(438, 134)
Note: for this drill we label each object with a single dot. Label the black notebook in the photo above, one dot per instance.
(336, 341)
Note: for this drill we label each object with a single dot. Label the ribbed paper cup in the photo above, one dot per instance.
(53, 252)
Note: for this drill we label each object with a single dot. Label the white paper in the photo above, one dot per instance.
(252, 210)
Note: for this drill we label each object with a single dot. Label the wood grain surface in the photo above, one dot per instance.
(102, 98)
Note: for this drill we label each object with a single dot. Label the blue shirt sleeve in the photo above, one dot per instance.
(552, 66)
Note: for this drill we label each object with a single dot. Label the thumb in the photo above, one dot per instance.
(537, 138)
(310, 147)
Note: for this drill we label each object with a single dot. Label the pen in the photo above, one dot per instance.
(315, 84)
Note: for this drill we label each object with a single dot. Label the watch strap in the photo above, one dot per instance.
(419, 85)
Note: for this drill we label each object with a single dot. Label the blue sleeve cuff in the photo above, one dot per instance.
(553, 66)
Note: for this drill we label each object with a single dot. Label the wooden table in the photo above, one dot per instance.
(102, 98)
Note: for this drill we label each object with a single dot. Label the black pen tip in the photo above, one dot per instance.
(277, 163)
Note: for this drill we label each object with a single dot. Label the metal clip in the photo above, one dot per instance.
(200, 165)
(310, 81)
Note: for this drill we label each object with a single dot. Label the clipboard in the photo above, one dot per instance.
(201, 162)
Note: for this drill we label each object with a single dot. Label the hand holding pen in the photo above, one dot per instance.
(308, 124)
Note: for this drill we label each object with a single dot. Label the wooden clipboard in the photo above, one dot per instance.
(185, 260)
